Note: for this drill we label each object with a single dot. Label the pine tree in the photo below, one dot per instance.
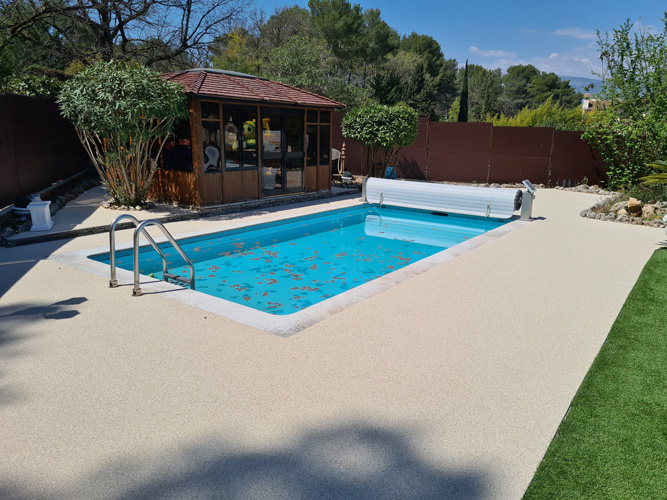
(463, 107)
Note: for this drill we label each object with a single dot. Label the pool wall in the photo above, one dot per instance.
(284, 326)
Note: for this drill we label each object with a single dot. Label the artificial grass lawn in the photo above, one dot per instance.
(613, 442)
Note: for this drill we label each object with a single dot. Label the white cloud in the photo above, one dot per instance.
(491, 53)
(579, 33)
(554, 55)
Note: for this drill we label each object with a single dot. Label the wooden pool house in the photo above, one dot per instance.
(247, 138)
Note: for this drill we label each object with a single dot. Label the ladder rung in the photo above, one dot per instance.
(176, 277)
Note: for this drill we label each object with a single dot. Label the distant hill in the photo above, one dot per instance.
(579, 83)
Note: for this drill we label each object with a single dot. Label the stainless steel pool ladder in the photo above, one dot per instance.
(141, 229)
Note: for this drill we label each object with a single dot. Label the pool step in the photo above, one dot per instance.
(179, 280)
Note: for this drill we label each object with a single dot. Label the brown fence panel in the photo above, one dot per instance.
(573, 159)
(353, 150)
(479, 152)
(37, 146)
(412, 160)
(459, 152)
(9, 179)
(519, 153)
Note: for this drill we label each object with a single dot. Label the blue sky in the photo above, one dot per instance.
(554, 36)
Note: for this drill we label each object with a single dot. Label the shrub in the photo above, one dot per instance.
(631, 130)
(383, 130)
(121, 112)
(546, 115)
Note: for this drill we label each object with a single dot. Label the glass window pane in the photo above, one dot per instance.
(271, 127)
(271, 176)
(232, 127)
(325, 145)
(177, 151)
(211, 144)
(311, 115)
(294, 132)
(210, 110)
(293, 173)
(311, 145)
(249, 133)
(325, 116)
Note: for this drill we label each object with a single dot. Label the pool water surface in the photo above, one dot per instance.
(286, 266)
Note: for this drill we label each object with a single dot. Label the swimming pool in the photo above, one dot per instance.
(287, 266)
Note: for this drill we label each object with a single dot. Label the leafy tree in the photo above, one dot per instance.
(303, 62)
(463, 100)
(377, 41)
(383, 130)
(89, 29)
(342, 26)
(630, 131)
(428, 48)
(484, 89)
(122, 112)
(514, 96)
(546, 85)
(233, 52)
(285, 23)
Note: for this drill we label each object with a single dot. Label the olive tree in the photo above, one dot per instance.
(122, 112)
(383, 130)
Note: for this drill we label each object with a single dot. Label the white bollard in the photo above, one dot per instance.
(41, 216)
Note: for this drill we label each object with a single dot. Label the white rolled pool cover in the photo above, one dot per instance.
(498, 203)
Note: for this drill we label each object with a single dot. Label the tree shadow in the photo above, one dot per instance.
(352, 461)
(10, 335)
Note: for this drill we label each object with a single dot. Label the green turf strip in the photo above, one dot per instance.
(613, 442)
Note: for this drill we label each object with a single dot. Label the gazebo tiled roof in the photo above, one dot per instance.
(239, 86)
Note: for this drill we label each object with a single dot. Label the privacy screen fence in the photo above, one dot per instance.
(37, 146)
(480, 152)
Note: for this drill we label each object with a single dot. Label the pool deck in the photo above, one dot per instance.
(448, 385)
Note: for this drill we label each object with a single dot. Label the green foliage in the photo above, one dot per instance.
(303, 62)
(485, 87)
(515, 82)
(549, 85)
(631, 130)
(382, 130)
(546, 115)
(122, 112)
(659, 177)
(612, 444)
(234, 54)
(463, 101)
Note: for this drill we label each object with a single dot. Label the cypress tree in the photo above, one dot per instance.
(463, 109)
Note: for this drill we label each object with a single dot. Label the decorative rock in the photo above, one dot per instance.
(623, 212)
(619, 206)
(648, 210)
(634, 207)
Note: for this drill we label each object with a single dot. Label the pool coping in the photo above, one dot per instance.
(285, 325)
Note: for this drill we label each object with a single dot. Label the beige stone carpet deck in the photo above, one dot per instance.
(449, 385)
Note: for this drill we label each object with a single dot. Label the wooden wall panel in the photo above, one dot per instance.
(323, 177)
(311, 179)
(171, 186)
(240, 185)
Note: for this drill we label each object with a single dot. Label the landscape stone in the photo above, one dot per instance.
(634, 207)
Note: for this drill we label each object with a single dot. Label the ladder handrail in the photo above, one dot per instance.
(113, 282)
(141, 229)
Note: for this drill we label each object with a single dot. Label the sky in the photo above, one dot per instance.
(558, 36)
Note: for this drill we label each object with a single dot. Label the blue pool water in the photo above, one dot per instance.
(287, 266)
